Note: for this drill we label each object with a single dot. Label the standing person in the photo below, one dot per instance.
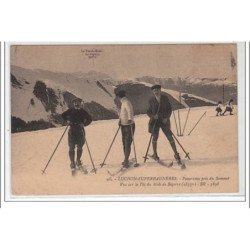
(219, 108)
(159, 111)
(229, 107)
(77, 118)
(126, 121)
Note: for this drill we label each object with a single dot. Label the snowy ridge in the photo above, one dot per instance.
(55, 90)
(188, 80)
(176, 95)
(84, 88)
(215, 81)
(60, 89)
(24, 109)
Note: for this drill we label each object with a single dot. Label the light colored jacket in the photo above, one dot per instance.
(230, 105)
(220, 106)
(126, 111)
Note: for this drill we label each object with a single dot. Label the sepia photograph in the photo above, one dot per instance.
(124, 120)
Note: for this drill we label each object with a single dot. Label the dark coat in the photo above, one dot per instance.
(77, 118)
(163, 111)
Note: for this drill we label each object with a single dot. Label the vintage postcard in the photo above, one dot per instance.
(140, 121)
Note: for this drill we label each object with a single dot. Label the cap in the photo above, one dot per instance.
(121, 93)
(76, 99)
(156, 86)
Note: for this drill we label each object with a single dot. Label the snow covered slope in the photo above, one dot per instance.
(212, 147)
(187, 80)
(209, 88)
(84, 86)
(54, 97)
(40, 94)
(176, 95)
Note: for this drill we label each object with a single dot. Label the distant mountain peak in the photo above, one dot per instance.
(91, 75)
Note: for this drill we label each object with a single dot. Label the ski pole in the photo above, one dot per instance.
(146, 155)
(186, 122)
(179, 118)
(103, 163)
(94, 169)
(197, 123)
(132, 134)
(176, 123)
(151, 136)
(179, 121)
(43, 171)
(187, 154)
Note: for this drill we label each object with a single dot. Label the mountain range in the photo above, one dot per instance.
(38, 97)
(210, 88)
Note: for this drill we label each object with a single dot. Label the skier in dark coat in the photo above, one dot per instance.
(159, 111)
(77, 118)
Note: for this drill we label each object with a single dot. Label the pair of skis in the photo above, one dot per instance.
(122, 170)
(80, 168)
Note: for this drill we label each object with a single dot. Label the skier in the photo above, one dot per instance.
(77, 118)
(126, 121)
(219, 108)
(159, 111)
(229, 107)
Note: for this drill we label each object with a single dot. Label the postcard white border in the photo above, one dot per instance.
(240, 196)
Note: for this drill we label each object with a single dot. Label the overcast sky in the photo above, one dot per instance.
(129, 61)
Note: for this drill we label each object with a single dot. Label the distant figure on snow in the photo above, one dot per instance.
(126, 121)
(159, 111)
(229, 107)
(219, 108)
(77, 118)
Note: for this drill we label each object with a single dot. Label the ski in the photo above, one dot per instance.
(162, 163)
(73, 171)
(123, 169)
(82, 168)
(179, 162)
(181, 165)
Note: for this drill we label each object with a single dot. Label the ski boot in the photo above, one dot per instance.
(125, 164)
(73, 168)
(81, 167)
(155, 157)
(179, 162)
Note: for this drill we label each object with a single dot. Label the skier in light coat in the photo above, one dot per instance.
(126, 121)
(229, 107)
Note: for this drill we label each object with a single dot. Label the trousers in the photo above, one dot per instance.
(75, 138)
(127, 138)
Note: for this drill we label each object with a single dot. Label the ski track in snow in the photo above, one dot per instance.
(212, 147)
